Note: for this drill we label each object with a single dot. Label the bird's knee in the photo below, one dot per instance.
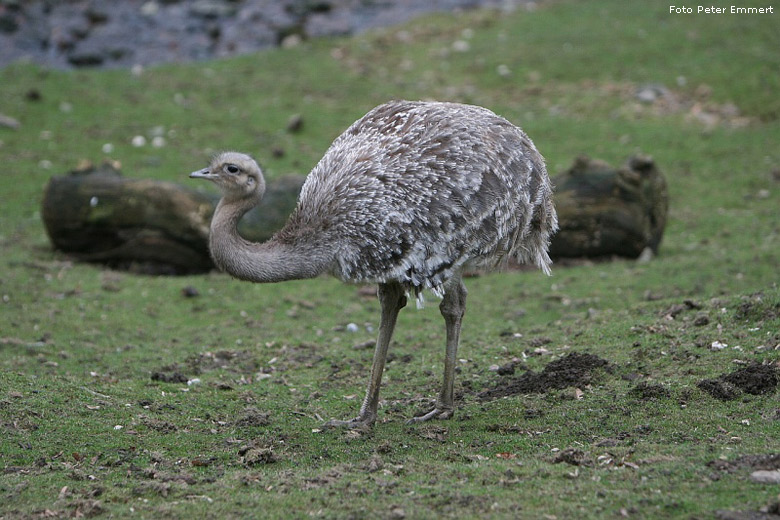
(453, 306)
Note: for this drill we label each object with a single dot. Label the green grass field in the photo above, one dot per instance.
(92, 427)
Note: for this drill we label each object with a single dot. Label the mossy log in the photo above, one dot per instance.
(97, 215)
(604, 211)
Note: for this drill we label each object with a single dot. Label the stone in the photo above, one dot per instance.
(766, 477)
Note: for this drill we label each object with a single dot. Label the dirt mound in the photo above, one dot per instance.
(755, 379)
(573, 370)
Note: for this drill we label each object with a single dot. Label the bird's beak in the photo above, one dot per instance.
(205, 173)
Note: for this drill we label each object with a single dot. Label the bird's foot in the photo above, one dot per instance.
(358, 423)
(440, 412)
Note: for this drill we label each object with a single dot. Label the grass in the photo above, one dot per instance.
(87, 429)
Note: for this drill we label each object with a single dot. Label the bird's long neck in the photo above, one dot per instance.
(271, 261)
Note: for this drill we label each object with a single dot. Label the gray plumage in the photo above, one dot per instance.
(406, 197)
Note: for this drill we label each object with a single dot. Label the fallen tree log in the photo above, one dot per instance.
(604, 211)
(156, 227)
(148, 226)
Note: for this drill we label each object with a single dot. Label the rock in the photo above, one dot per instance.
(651, 93)
(8, 23)
(295, 124)
(212, 9)
(87, 33)
(85, 59)
(9, 122)
(766, 477)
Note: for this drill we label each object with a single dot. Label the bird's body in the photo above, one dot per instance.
(406, 197)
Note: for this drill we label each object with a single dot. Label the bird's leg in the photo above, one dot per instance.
(392, 299)
(452, 307)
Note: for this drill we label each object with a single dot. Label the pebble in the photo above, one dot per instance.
(9, 122)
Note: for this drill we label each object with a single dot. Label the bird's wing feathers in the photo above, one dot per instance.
(413, 191)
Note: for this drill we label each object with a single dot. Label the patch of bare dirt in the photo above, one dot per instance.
(770, 512)
(696, 106)
(159, 425)
(756, 309)
(169, 375)
(573, 370)
(236, 361)
(253, 417)
(768, 462)
(755, 379)
(648, 391)
(257, 456)
(573, 457)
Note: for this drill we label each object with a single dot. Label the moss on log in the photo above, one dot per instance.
(605, 211)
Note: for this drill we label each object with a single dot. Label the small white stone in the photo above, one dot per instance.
(150, 8)
(352, 327)
(461, 46)
(108, 148)
(139, 141)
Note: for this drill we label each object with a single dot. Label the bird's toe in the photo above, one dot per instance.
(357, 423)
(436, 413)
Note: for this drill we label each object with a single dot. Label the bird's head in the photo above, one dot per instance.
(237, 175)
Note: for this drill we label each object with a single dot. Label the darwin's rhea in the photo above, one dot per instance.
(407, 197)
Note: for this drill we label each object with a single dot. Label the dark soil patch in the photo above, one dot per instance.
(236, 361)
(755, 379)
(166, 376)
(573, 370)
(766, 462)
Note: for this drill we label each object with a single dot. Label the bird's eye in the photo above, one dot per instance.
(232, 168)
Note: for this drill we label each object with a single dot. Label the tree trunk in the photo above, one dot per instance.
(149, 226)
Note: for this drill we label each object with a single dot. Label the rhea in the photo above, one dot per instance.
(407, 197)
